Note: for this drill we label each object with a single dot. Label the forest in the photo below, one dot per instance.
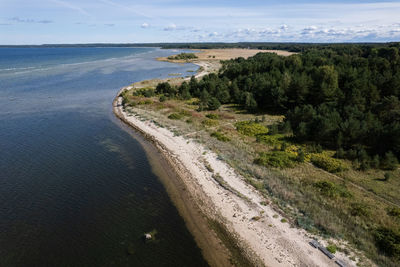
(341, 97)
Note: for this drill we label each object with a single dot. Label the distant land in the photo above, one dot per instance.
(289, 46)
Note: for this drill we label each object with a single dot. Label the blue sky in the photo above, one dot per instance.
(115, 21)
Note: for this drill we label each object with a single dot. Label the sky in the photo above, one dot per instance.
(137, 21)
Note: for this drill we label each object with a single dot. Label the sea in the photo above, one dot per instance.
(75, 188)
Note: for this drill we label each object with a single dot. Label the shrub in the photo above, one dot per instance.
(327, 163)
(270, 139)
(213, 103)
(388, 241)
(209, 122)
(146, 92)
(250, 128)
(301, 157)
(185, 113)
(387, 176)
(330, 189)
(212, 116)
(394, 212)
(220, 136)
(163, 98)
(389, 162)
(183, 56)
(359, 209)
(305, 223)
(175, 116)
(332, 248)
(277, 159)
(166, 89)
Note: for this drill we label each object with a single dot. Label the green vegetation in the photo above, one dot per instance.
(183, 56)
(388, 241)
(331, 248)
(395, 212)
(175, 116)
(220, 136)
(277, 159)
(327, 163)
(335, 106)
(331, 189)
(145, 92)
(212, 116)
(251, 128)
(341, 97)
(273, 140)
(209, 123)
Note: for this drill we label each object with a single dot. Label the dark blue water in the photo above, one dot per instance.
(75, 189)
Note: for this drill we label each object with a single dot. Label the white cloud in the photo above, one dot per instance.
(145, 25)
(170, 27)
(284, 27)
(309, 30)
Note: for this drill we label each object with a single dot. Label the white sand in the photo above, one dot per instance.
(274, 242)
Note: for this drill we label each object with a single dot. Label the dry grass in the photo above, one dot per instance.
(351, 214)
(225, 54)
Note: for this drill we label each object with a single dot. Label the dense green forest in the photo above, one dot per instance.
(343, 97)
(183, 56)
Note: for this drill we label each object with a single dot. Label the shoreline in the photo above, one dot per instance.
(263, 236)
(270, 243)
(171, 175)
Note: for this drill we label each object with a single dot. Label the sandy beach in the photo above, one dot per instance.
(273, 242)
(223, 195)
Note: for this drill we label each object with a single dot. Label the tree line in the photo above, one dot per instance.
(343, 97)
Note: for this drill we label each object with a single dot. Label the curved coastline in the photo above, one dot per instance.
(173, 176)
(202, 200)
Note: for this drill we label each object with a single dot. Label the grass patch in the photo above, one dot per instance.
(220, 136)
(327, 163)
(277, 159)
(213, 116)
(331, 189)
(394, 212)
(273, 140)
(251, 128)
(175, 116)
(388, 241)
(209, 122)
(332, 248)
(145, 102)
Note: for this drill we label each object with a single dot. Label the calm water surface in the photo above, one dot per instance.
(75, 189)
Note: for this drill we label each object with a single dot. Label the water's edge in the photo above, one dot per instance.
(197, 222)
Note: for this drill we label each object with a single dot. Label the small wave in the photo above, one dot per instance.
(13, 69)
